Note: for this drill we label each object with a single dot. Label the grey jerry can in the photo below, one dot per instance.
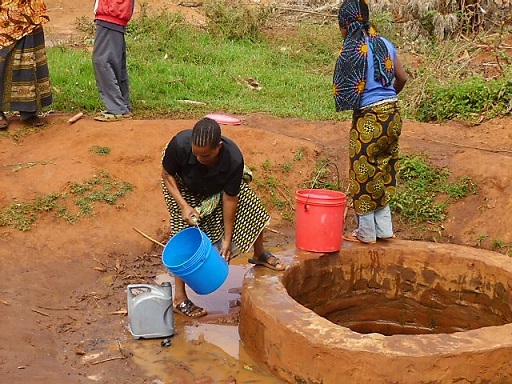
(150, 310)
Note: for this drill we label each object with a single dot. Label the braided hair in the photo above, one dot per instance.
(206, 133)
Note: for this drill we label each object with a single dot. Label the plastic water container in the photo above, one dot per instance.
(319, 220)
(150, 310)
(191, 256)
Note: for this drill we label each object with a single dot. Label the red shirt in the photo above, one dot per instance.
(114, 11)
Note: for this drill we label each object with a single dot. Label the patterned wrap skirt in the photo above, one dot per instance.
(373, 155)
(25, 84)
(250, 220)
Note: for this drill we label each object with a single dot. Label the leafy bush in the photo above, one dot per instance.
(461, 100)
(424, 192)
(236, 21)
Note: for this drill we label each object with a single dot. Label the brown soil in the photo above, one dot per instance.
(62, 294)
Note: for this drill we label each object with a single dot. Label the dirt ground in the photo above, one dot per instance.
(62, 290)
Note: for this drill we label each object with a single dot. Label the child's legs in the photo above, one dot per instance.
(366, 231)
(383, 223)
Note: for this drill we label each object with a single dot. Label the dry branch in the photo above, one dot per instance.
(109, 359)
(302, 10)
(41, 313)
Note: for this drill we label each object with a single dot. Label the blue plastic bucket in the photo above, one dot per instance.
(190, 255)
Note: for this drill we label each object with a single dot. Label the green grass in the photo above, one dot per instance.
(425, 191)
(170, 60)
(76, 201)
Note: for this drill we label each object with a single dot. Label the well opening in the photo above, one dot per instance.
(388, 292)
(396, 312)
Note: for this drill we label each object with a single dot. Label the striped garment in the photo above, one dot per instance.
(24, 70)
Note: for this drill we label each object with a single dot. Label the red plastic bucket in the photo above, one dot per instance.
(319, 220)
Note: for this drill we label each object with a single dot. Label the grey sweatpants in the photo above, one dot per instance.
(109, 62)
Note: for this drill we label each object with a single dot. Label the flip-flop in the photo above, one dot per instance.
(188, 309)
(268, 260)
(4, 123)
(108, 117)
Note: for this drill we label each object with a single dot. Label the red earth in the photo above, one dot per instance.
(62, 292)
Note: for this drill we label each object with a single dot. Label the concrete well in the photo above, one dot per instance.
(396, 312)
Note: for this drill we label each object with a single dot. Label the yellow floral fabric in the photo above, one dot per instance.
(373, 151)
(18, 18)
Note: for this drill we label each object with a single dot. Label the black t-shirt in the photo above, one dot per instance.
(226, 176)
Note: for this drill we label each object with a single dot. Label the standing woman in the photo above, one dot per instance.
(367, 79)
(25, 79)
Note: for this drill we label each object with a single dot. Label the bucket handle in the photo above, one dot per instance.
(316, 179)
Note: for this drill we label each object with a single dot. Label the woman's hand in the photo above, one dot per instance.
(225, 250)
(190, 215)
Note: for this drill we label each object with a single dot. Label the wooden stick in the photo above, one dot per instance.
(75, 118)
(149, 238)
(109, 359)
(41, 313)
(273, 230)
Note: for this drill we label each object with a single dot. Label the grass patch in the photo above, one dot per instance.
(102, 151)
(326, 176)
(76, 201)
(467, 100)
(170, 60)
(424, 191)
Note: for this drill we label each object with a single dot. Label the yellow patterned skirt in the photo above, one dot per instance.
(251, 217)
(373, 155)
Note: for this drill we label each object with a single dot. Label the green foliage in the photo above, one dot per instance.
(327, 176)
(172, 62)
(72, 79)
(102, 151)
(235, 21)
(266, 165)
(462, 100)
(98, 189)
(424, 191)
(498, 245)
(299, 153)
(384, 23)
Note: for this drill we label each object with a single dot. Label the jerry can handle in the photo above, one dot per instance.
(137, 286)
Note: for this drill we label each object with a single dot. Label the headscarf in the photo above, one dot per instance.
(18, 18)
(349, 79)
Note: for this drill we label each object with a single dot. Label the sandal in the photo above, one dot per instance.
(4, 123)
(268, 260)
(188, 309)
(107, 117)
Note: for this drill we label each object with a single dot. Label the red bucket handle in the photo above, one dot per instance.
(316, 179)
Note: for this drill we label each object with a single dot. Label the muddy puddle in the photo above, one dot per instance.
(206, 351)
